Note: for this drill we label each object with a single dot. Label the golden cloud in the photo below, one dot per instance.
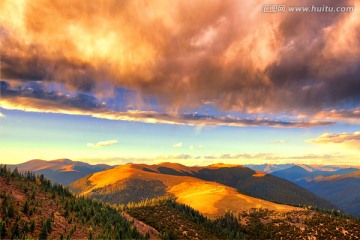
(185, 53)
(347, 140)
(337, 138)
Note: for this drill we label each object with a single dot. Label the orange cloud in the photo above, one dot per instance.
(185, 53)
(348, 138)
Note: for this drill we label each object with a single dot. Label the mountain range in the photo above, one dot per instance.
(301, 173)
(31, 207)
(325, 186)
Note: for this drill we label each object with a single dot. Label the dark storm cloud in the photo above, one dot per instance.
(312, 69)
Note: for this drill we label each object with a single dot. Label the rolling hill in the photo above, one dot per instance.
(211, 190)
(131, 183)
(247, 181)
(64, 171)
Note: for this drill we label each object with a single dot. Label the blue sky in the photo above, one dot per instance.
(30, 135)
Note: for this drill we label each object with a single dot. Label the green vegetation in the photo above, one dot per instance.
(264, 224)
(178, 221)
(32, 207)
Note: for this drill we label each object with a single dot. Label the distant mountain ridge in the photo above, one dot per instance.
(64, 171)
(269, 168)
(341, 187)
(299, 173)
(342, 190)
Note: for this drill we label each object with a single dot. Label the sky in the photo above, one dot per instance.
(195, 82)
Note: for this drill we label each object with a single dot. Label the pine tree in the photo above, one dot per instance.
(2, 229)
(32, 225)
(44, 232)
(26, 207)
(15, 232)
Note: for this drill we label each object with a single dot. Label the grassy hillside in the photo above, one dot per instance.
(64, 171)
(182, 222)
(32, 207)
(131, 183)
(178, 221)
(263, 186)
(306, 224)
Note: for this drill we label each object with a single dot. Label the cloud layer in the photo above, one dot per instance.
(44, 105)
(184, 54)
(350, 140)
